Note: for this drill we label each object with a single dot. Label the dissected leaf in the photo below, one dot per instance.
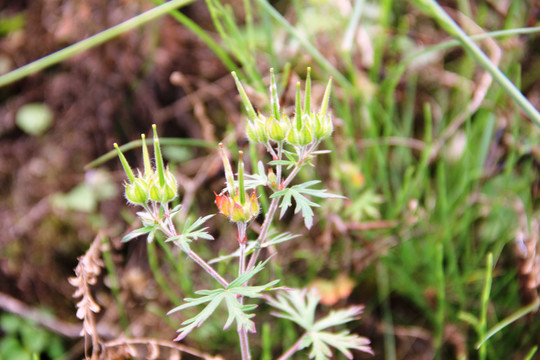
(238, 312)
(241, 313)
(322, 342)
(299, 306)
(338, 317)
(245, 277)
(191, 232)
(150, 230)
(364, 206)
(200, 318)
(254, 180)
(303, 204)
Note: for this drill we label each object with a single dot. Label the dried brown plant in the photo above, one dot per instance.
(86, 275)
(528, 257)
(145, 348)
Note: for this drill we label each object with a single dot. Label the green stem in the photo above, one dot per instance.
(158, 275)
(138, 143)
(468, 44)
(241, 187)
(508, 320)
(171, 232)
(91, 42)
(114, 284)
(396, 75)
(207, 39)
(242, 333)
(383, 293)
(278, 166)
(244, 344)
(350, 33)
(439, 274)
(312, 50)
(270, 216)
(485, 302)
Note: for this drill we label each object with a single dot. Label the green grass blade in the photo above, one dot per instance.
(207, 39)
(138, 143)
(91, 42)
(312, 50)
(508, 320)
(485, 302)
(468, 44)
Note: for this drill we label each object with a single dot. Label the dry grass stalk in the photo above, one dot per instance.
(480, 92)
(145, 348)
(529, 263)
(527, 251)
(87, 273)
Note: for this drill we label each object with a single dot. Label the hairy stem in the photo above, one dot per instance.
(264, 231)
(208, 268)
(242, 259)
(270, 216)
(244, 344)
(242, 333)
(279, 167)
(169, 229)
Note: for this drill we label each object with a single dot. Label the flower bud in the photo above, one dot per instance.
(232, 208)
(272, 179)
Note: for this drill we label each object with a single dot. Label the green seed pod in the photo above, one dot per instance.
(307, 134)
(322, 127)
(137, 192)
(256, 131)
(125, 164)
(277, 129)
(165, 193)
(293, 137)
(301, 137)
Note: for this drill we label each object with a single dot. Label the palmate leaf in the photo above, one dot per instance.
(338, 317)
(365, 206)
(296, 306)
(150, 230)
(300, 306)
(292, 160)
(303, 205)
(255, 180)
(191, 232)
(322, 341)
(245, 277)
(213, 302)
(238, 312)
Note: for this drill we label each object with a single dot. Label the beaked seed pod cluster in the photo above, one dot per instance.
(302, 129)
(157, 185)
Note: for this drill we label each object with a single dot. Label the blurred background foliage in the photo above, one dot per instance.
(438, 164)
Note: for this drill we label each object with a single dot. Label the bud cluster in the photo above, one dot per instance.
(304, 128)
(157, 185)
